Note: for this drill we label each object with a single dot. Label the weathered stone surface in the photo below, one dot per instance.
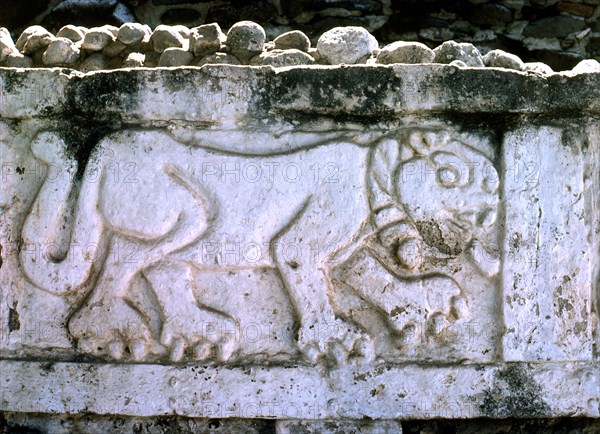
(294, 39)
(405, 52)
(18, 60)
(114, 49)
(216, 59)
(97, 38)
(340, 244)
(134, 60)
(74, 33)
(132, 33)
(94, 62)
(206, 39)
(61, 52)
(34, 39)
(588, 65)
(280, 58)
(502, 59)
(7, 46)
(165, 37)
(465, 52)
(245, 40)
(346, 45)
(175, 57)
(539, 67)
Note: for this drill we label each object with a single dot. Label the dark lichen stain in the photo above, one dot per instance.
(336, 93)
(13, 319)
(513, 393)
(94, 108)
(14, 81)
(432, 235)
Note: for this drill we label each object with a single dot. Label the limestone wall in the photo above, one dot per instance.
(327, 247)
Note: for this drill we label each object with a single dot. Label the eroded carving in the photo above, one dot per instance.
(381, 236)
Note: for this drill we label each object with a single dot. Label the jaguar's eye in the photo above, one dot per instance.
(447, 176)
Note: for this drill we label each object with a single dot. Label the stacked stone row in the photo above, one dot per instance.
(135, 45)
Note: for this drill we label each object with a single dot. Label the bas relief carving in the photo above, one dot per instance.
(342, 250)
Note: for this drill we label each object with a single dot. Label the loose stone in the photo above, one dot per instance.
(294, 39)
(165, 37)
(206, 39)
(280, 58)
(451, 50)
(61, 51)
(131, 33)
(114, 49)
(346, 45)
(539, 67)
(94, 62)
(405, 52)
(134, 60)
(587, 65)
(97, 38)
(502, 59)
(245, 40)
(71, 32)
(36, 40)
(175, 57)
(7, 46)
(18, 60)
(217, 59)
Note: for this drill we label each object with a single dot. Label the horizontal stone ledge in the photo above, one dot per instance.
(378, 392)
(237, 96)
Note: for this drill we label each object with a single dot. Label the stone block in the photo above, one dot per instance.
(328, 247)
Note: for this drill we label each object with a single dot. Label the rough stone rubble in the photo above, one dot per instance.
(137, 45)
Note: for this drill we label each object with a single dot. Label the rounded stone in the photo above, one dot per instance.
(451, 50)
(183, 30)
(61, 51)
(502, 59)
(7, 46)
(405, 52)
(206, 39)
(134, 60)
(294, 39)
(346, 45)
(71, 32)
(538, 67)
(587, 65)
(216, 59)
(25, 34)
(132, 33)
(281, 58)
(114, 49)
(37, 40)
(175, 57)
(245, 40)
(97, 38)
(18, 60)
(94, 62)
(165, 37)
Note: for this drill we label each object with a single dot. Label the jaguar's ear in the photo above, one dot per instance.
(424, 142)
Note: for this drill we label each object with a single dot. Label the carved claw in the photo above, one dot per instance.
(208, 340)
(337, 343)
(96, 333)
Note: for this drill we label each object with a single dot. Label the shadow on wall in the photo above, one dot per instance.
(558, 33)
